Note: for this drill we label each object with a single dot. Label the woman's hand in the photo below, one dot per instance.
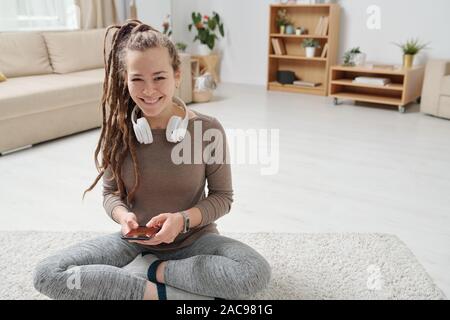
(128, 222)
(171, 225)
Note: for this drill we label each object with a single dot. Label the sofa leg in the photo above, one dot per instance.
(4, 153)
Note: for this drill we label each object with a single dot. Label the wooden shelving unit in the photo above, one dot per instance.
(405, 87)
(307, 69)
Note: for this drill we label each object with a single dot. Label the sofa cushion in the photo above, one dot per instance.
(445, 86)
(75, 50)
(444, 107)
(23, 54)
(26, 95)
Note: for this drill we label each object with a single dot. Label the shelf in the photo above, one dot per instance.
(367, 69)
(297, 58)
(315, 69)
(294, 5)
(367, 98)
(348, 82)
(294, 36)
(276, 86)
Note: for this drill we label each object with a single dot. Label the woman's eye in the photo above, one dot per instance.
(136, 80)
(160, 78)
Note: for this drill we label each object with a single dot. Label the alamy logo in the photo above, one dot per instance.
(374, 20)
(250, 146)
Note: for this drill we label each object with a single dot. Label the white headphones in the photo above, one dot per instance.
(175, 131)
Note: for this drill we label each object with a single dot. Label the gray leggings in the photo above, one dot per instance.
(214, 266)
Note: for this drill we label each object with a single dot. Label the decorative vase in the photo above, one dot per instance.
(290, 29)
(408, 60)
(359, 59)
(282, 29)
(310, 52)
(204, 50)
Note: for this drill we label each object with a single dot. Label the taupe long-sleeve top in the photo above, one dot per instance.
(169, 187)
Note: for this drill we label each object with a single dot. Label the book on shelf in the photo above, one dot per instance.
(318, 30)
(383, 66)
(325, 25)
(278, 46)
(276, 50)
(308, 84)
(372, 81)
(322, 26)
(324, 51)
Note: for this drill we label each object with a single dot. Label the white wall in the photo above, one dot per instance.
(400, 20)
(244, 47)
(244, 51)
(153, 12)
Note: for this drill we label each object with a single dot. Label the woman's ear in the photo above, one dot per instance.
(177, 78)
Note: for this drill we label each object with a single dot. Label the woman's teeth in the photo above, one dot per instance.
(151, 101)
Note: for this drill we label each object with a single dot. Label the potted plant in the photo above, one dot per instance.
(354, 57)
(166, 26)
(282, 20)
(206, 31)
(181, 46)
(410, 48)
(310, 46)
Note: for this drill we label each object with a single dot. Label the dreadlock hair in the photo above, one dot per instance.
(117, 137)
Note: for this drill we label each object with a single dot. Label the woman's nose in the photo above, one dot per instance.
(148, 91)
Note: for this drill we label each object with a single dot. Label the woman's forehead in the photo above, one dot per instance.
(151, 60)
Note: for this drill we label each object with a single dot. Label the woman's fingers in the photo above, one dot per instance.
(156, 221)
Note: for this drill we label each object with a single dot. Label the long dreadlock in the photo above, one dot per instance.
(117, 137)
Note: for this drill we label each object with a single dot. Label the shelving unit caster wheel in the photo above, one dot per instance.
(335, 101)
(401, 109)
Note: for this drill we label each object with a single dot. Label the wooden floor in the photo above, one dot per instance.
(342, 168)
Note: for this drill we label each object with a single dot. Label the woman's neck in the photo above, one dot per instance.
(162, 119)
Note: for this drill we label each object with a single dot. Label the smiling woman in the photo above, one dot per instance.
(143, 187)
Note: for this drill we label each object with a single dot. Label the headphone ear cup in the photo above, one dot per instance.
(172, 132)
(137, 133)
(144, 131)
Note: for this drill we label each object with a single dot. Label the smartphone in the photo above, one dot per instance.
(141, 233)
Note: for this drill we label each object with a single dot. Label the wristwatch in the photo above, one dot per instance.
(186, 222)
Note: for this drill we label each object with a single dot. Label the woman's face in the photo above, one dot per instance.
(151, 79)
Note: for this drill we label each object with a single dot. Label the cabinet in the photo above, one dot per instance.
(405, 87)
(314, 69)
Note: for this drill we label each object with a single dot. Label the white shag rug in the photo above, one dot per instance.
(304, 266)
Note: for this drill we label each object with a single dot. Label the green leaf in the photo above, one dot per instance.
(221, 30)
(212, 24)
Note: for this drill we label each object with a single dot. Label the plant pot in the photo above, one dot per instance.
(408, 60)
(310, 52)
(290, 29)
(282, 29)
(204, 50)
(359, 59)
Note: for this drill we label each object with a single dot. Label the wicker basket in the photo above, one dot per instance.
(202, 96)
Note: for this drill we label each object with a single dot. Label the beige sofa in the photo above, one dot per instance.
(54, 85)
(436, 89)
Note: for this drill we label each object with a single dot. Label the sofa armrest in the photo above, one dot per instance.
(435, 71)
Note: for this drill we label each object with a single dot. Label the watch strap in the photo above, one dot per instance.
(186, 224)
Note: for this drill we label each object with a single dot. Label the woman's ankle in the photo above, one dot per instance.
(150, 293)
(160, 272)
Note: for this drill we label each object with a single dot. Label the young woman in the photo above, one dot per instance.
(145, 184)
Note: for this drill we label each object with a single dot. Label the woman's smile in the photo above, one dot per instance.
(151, 102)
